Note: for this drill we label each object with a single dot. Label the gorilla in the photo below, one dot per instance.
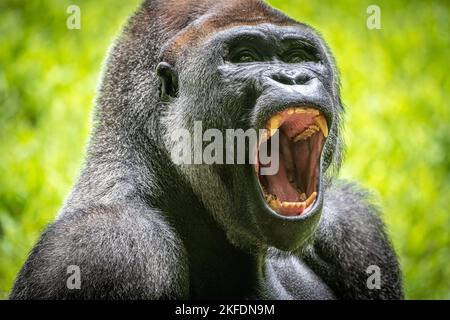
(139, 225)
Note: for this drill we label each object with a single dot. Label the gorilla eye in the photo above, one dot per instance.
(244, 56)
(300, 55)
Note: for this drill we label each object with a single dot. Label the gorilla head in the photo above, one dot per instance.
(231, 65)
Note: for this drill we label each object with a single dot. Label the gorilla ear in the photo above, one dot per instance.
(169, 81)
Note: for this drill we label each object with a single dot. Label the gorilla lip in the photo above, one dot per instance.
(292, 191)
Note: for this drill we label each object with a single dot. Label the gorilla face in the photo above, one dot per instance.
(278, 78)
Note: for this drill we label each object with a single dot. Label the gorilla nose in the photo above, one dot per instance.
(291, 78)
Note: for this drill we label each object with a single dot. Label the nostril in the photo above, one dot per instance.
(284, 78)
(302, 79)
(291, 78)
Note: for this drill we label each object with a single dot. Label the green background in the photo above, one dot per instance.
(395, 85)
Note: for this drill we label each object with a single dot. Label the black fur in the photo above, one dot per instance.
(140, 227)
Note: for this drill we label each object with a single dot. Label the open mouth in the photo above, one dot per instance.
(293, 189)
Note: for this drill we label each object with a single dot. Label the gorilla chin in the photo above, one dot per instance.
(292, 195)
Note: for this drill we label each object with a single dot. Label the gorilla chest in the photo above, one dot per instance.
(288, 277)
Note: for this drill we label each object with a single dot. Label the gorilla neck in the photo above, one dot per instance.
(217, 268)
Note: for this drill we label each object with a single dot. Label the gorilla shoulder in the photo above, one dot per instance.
(351, 225)
(121, 253)
(348, 205)
(326, 267)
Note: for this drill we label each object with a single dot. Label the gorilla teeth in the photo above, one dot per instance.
(274, 123)
(277, 120)
(276, 204)
(311, 198)
(300, 145)
(294, 205)
(322, 123)
(308, 132)
(307, 110)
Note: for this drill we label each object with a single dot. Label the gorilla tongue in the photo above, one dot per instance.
(293, 189)
(280, 184)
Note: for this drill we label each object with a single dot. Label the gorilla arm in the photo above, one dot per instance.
(349, 238)
(122, 253)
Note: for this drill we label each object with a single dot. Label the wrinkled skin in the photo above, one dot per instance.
(251, 92)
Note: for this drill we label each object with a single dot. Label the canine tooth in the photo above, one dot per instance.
(322, 123)
(266, 134)
(274, 123)
(311, 198)
(272, 132)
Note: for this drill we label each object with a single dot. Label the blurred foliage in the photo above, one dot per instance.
(395, 85)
